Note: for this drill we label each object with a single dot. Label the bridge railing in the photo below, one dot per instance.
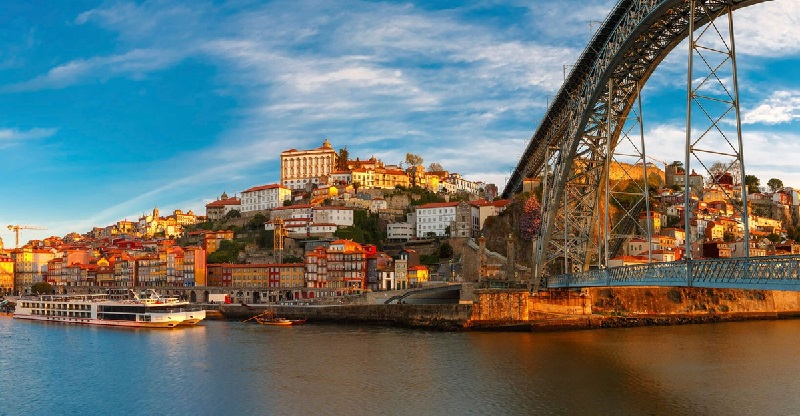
(768, 273)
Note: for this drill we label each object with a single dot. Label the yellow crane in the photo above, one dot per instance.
(278, 236)
(16, 228)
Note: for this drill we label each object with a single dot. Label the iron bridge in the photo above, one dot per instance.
(597, 112)
(755, 273)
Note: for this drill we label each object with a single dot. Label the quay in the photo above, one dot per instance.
(554, 310)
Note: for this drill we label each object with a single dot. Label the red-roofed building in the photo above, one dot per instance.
(436, 219)
(342, 267)
(264, 197)
(218, 209)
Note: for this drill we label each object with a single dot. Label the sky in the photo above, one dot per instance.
(111, 108)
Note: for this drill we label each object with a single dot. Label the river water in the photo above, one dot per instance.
(743, 368)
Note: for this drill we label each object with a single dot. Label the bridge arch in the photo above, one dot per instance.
(634, 39)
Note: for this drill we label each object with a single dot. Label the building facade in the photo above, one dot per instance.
(265, 197)
(302, 167)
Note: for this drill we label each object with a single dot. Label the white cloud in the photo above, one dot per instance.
(134, 63)
(780, 107)
(768, 29)
(11, 137)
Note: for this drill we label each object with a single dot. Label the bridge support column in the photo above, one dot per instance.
(710, 140)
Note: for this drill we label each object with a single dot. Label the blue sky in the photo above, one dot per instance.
(108, 109)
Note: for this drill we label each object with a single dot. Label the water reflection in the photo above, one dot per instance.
(229, 367)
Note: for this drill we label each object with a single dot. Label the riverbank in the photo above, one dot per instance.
(517, 310)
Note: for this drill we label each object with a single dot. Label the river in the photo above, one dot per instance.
(741, 368)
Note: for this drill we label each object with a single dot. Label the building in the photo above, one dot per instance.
(264, 197)
(400, 231)
(212, 239)
(221, 207)
(341, 216)
(342, 266)
(436, 219)
(302, 167)
(6, 275)
(466, 221)
(30, 266)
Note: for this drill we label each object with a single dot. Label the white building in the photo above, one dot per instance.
(301, 167)
(264, 197)
(462, 184)
(341, 216)
(435, 218)
(378, 204)
(400, 231)
(292, 211)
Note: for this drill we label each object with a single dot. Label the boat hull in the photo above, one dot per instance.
(101, 322)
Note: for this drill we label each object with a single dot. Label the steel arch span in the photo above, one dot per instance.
(569, 148)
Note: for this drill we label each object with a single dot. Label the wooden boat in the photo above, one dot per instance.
(269, 318)
(280, 321)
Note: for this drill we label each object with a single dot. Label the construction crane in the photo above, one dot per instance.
(278, 236)
(16, 228)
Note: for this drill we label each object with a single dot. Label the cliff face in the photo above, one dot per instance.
(497, 229)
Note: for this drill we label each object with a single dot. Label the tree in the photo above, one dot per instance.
(435, 167)
(228, 252)
(341, 161)
(678, 165)
(234, 213)
(752, 183)
(775, 184)
(531, 219)
(356, 185)
(413, 160)
(445, 250)
(42, 288)
(256, 223)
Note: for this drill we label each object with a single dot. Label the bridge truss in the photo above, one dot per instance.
(592, 114)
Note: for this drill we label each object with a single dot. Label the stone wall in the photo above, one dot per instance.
(447, 317)
(638, 301)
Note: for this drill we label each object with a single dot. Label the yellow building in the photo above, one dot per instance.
(30, 266)
(417, 275)
(390, 178)
(6, 275)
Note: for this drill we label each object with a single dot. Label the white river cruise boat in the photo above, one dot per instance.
(148, 311)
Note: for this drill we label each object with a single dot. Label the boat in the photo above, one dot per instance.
(269, 318)
(148, 311)
(280, 321)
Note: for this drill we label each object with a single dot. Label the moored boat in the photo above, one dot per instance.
(269, 318)
(280, 321)
(97, 309)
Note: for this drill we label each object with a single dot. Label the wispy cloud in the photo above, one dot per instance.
(134, 63)
(10, 137)
(780, 107)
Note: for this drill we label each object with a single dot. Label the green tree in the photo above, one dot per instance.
(775, 184)
(293, 259)
(365, 230)
(752, 183)
(228, 252)
(42, 288)
(265, 239)
(256, 223)
(234, 213)
(445, 250)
